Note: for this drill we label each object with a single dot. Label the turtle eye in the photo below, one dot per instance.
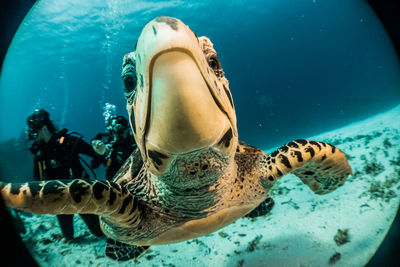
(129, 83)
(215, 65)
(129, 76)
(213, 62)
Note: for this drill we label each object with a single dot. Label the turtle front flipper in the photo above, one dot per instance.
(118, 251)
(72, 196)
(323, 167)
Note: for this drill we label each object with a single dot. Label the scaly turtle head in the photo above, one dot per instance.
(178, 98)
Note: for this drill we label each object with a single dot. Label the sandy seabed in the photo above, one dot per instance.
(343, 228)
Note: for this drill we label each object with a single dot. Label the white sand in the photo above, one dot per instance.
(300, 229)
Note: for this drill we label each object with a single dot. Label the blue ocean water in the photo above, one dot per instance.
(296, 68)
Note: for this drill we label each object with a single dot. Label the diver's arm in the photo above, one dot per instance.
(84, 148)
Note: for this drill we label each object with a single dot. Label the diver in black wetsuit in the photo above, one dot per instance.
(56, 156)
(117, 146)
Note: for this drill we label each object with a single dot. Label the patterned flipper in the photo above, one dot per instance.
(321, 166)
(72, 196)
(118, 251)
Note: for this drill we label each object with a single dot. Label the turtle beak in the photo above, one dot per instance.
(177, 108)
(183, 113)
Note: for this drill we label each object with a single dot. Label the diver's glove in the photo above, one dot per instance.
(99, 147)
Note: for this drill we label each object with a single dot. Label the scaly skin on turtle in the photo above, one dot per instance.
(191, 175)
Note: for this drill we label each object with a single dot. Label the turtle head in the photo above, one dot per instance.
(178, 98)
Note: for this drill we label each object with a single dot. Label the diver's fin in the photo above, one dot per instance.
(264, 208)
(118, 251)
(71, 196)
(321, 166)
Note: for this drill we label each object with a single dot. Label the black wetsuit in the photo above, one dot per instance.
(59, 159)
(120, 149)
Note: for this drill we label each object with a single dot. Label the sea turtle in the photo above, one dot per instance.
(190, 175)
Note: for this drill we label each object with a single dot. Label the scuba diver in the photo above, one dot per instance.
(117, 146)
(56, 156)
